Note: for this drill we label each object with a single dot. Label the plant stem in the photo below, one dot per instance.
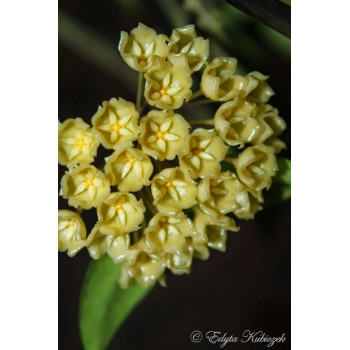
(197, 103)
(148, 203)
(229, 160)
(202, 122)
(139, 92)
(135, 235)
(79, 210)
(196, 94)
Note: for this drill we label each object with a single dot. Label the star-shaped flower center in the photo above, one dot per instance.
(81, 143)
(67, 228)
(161, 134)
(167, 226)
(142, 58)
(198, 151)
(166, 89)
(132, 163)
(88, 182)
(175, 188)
(120, 207)
(116, 126)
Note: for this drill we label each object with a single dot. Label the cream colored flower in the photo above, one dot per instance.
(162, 134)
(120, 213)
(173, 190)
(188, 50)
(143, 43)
(167, 233)
(98, 244)
(263, 92)
(219, 83)
(115, 122)
(76, 143)
(255, 166)
(141, 266)
(222, 195)
(129, 168)
(235, 122)
(181, 262)
(272, 125)
(215, 232)
(71, 232)
(203, 152)
(84, 186)
(167, 86)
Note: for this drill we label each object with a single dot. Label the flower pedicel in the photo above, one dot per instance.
(162, 196)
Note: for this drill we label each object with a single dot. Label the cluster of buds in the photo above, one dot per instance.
(168, 191)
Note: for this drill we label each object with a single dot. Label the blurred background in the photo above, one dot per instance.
(248, 287)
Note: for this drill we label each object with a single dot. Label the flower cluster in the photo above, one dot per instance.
(168, 191)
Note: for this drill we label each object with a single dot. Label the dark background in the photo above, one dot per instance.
(248, 287)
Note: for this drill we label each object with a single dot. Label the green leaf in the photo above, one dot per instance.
(284, 173)
(280, 190)
(286, 2)
(103, 304)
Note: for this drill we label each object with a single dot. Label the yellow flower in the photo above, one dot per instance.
(71, 232)
(120, 213)
(263, 92)
(115, 122)
(222, 195)
(272, 125)
(215, 232)
(173, 190)
(84, 186)
(219, 83)
(167, 86)
(235, 122)
(255, 166)
(167, 233)
(143, 43)
(129, 168)
(181, 262)
(203, 152)
(188, 50)
(76, 143)
(162, 134)
(145, 268)
(98, 244)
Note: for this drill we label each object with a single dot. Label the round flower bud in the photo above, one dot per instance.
(141, 46)
(255, 166)
(222, 195)
(167, 86)
(115, 123)
(71, 232)
(173, 190)
(167, 233)
(219, 83)
(272, 125)
(162, 134)
(76, 143)
(235, 122)
(98, 244)
(120, 213)
(141, 266)
(203, 152)
(129, 168)
(84, 186)
(263, 92)
(181, 262)
(188, 50)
